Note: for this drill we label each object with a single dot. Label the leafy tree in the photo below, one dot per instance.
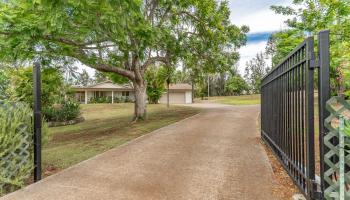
(100, 77)
(236, 85)
(83, 78)
(281, 43)
(20, 87)
(121, 37)
(313, 16)
(255, 70)
(155, 84)
(69, 72)
(116, 78)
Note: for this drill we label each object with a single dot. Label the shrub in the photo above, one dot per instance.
(65, 111)
(21, 85)
(16, 145)
(101, 100)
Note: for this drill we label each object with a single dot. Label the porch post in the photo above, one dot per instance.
(86, 97)
(112, 96)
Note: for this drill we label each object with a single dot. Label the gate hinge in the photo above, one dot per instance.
(314, 64)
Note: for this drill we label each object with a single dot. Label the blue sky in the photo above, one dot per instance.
(261, 20)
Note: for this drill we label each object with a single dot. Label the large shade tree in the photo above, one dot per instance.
(118, 36)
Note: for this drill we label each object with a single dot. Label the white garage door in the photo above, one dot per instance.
(174, 98)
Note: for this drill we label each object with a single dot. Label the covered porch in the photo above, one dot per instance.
(106, 92)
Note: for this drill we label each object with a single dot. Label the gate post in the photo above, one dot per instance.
(37, 121)
(310, 133)
(323, 96)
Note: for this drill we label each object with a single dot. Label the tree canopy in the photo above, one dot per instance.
(313, 16)
(121, 37)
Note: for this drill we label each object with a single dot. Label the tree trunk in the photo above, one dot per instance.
(192, 91)
(167, 94)
(140, 100)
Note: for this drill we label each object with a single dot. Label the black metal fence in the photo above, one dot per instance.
(287, 115)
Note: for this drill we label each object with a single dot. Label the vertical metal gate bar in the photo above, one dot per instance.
(298, 117)
(303, 117)
(288, 115)
(310, 116)
(324, 95)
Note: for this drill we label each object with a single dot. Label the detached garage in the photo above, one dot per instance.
(178, 94)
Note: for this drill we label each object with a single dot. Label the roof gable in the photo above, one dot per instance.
(180, 86)
(104, 85)
(107, 85)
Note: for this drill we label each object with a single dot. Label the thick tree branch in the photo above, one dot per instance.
(72, 42)
(104, 67)
(152, 60)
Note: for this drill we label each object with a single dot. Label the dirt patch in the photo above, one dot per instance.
(284, 189)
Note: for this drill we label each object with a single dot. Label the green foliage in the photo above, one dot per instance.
(21, 85)
(313, 16)
(83, 78)
(106, 99)
(20, 89)
(347, 128)
(116, 78)
(236, 85)
(65, 111)
(255, 70)
(155, 78)
(281, 43)
(122, 37)
(16, 146)
(3, 84)
(100, 77)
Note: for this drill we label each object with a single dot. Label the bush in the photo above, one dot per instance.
(67, 110)
(21, 85)
(16, 145)
(101, 100)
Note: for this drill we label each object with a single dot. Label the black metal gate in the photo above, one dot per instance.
(287, 112)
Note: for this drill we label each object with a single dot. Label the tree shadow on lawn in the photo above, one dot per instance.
(71, 145)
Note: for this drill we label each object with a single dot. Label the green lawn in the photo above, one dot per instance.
(106, 126)
(237, 100)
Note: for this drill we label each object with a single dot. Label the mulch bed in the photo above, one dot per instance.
(284, 188)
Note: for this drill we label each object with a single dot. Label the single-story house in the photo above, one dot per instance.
(85, 94)
(178, 93)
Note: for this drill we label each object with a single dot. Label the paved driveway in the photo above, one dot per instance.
(213, 155)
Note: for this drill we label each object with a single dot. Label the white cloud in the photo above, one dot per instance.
(257, 14)
(248, 52)
(260, 18)
(261, 21)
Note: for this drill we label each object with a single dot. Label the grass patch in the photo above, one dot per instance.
(106, 126)
(237, 100)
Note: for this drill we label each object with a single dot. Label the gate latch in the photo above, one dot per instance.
(314, 64)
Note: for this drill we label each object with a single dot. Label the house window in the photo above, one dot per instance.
(125, 93)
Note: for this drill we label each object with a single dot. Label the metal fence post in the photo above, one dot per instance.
(310, 117)
(37, 121)
(323, 96)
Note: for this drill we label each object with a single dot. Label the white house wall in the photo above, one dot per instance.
(117, 94)
(188, 97)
